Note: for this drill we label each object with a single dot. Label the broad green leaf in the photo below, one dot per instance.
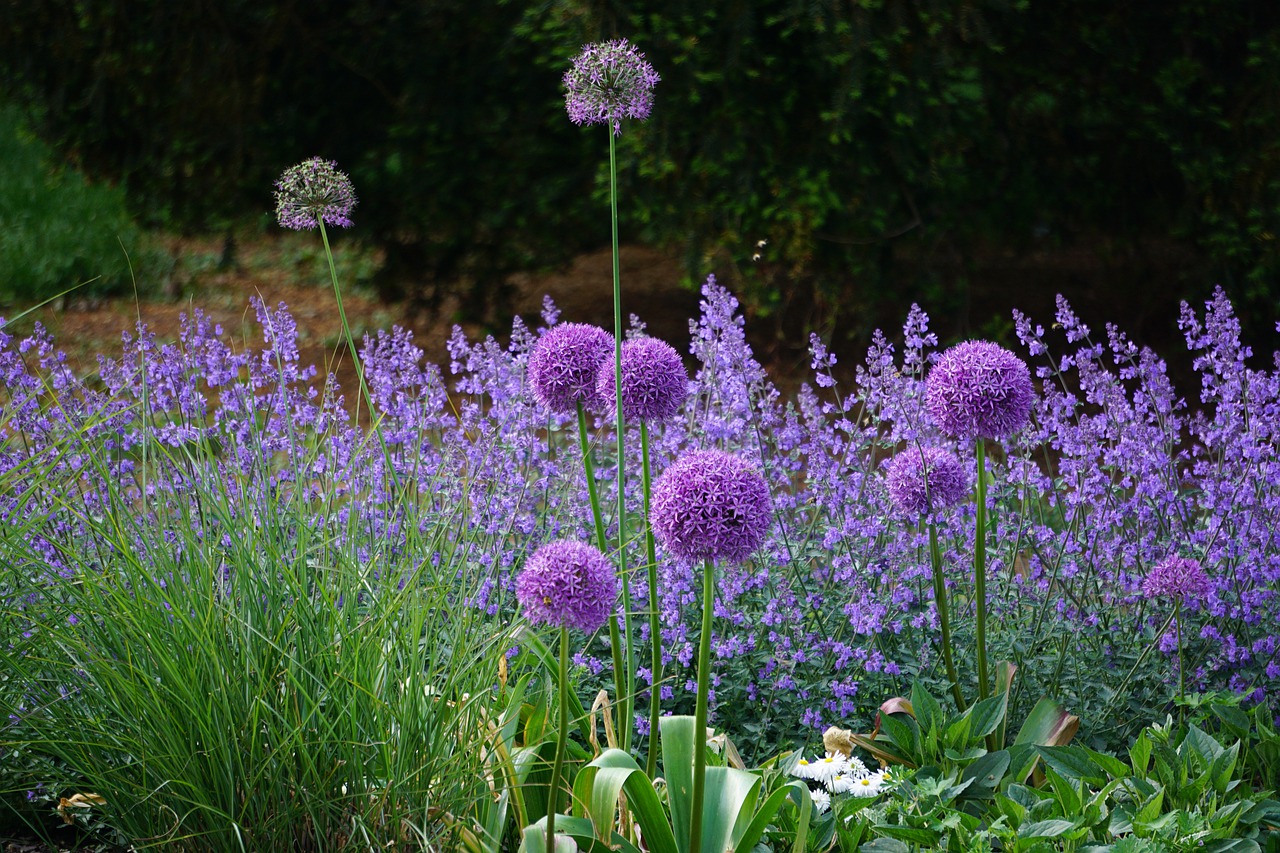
(1150, 808)
(1140, 754)
(1065, 791)
(927, 710)
(1204, 745)
(1108, 763)
(1233, 845)
(729, 799)
(884, 845)
(1073, 762)
(985, 716)
(677, 769)
(573, 834)
(904, 735)
(965, 756)
(1235, 720)
(987, 771)
(1046, 829)
(797, 792)
(597, 787)
(1048, 724)
(1224, 765)
(908, 833)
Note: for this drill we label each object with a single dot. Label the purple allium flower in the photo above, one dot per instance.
(654, 381)
(924, 479)
(609, 81)
(978, 389)
(314, 190)
(564, 364)
(567, 584)
(1176, 577)
(711, 504)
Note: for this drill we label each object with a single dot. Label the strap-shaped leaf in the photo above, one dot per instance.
(597, 788)
(798, 792)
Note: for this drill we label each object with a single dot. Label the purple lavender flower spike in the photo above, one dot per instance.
(978, 389)
(564, 364)
(609, 81)
(711, 505)
(567, 584)
(1176, 577)
(925, 479)
(314, 190)
(654, 381)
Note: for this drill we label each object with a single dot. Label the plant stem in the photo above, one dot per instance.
(944, 617)
(558, 766)
(1182, 672)
(700, 711)
(346, 327)
(615, 642)
(980, 572)
(625, 700)
(655, 629)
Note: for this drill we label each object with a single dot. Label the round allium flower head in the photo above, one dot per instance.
(314, 190)
(711, 505)
(568, 585)
(921, 479)
(564, 364)
(654, 381)
(609, 81)
(1176, 577)
(978, 389)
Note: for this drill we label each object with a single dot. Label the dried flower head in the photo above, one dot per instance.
(921, 479)
(978, 389)
(564, 364)
(314, 190)
(609, 81)
(1176, 577)
(711, 505)
(567, 584)
(654, 381)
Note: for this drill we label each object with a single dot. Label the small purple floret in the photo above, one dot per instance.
(564, 364)
(567, 585)
(314, 190)
(609, 81)
(1176, 577)
(978, 389)
(654, 381)
(711, 505)
(925, 479)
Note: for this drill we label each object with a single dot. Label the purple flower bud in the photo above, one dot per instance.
(978, 389)
(925, 479)
(609, 81)
(654, 381)
(567, 584)
(314, 190)
(711, 504)
(564, 364)
(1176, 577)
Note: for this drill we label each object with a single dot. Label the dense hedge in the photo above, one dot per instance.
(855, 137)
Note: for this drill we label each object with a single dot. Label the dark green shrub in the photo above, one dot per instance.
(57, 230)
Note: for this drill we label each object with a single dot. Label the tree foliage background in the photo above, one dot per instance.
(878, 146)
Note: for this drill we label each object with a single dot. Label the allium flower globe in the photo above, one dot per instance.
(978, 389)
(568, 585)
(564, 364)
(711, 505)
(311, 191)
(654, 381)
(1176, 577)
(925, 479)
(609, 81)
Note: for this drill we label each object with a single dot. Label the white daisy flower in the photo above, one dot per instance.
(821, 800)
(830, 766)
(803, 769)
(856, 767)
(867, 786)
(841, 783)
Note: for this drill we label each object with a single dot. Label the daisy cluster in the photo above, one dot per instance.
(835, 774)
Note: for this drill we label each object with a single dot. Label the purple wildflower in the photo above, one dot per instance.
(564, 364)
(567, 584)
(1176, 577)
(711, 504)
(978, 389)
(609, 81)
(924, 479)
(311, 191)
(654, 381)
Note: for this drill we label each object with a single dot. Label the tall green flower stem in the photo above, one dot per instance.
(944, 616)
(346, 327)
(655, 629)
(626, 721)
(1182, 670)
(700, 710)
(557, 767)
(980, 572)
(601, 542)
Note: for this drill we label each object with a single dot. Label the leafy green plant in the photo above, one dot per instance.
(57, 230)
